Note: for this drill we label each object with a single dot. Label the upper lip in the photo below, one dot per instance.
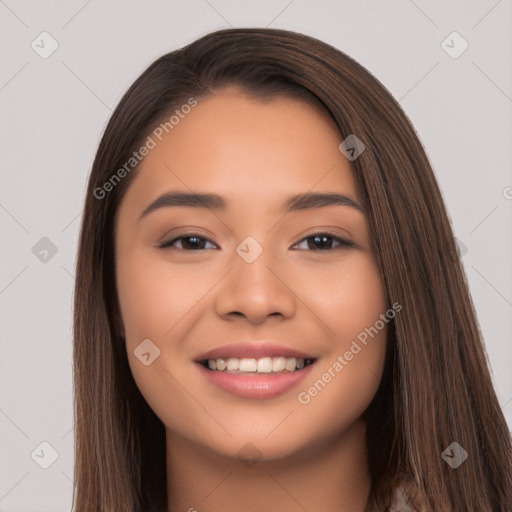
(254, 350)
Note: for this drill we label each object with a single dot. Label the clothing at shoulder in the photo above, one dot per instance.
(400, 502)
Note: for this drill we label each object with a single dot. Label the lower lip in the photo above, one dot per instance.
(260, 385)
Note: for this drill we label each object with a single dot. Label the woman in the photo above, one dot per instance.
(270, 310)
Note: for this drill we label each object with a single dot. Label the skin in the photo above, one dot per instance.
(255, 154)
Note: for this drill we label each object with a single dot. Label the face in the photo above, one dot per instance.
(251, 280)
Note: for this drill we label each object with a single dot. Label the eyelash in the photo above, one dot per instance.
(166, 244)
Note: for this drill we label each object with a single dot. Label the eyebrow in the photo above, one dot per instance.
(215, 202)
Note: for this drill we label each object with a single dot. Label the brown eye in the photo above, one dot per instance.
(325, 241)
(316, 242)
(191, 242)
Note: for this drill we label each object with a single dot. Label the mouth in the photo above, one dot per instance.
(261, 371)
(253, 366)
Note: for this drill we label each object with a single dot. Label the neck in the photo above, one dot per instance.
(331, 476)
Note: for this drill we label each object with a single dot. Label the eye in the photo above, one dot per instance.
(193, 242)
(317, 242)
(325, 241)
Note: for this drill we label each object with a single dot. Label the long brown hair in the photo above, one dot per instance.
(436, 388)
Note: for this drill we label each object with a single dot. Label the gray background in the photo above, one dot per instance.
(54, 111)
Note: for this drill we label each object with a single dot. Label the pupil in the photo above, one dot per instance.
(320, 239)
(193, 245)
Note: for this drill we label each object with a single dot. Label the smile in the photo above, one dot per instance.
(251, 378)
(255, 369)
(268, 365)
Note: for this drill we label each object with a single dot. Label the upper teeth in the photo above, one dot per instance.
(263, 365)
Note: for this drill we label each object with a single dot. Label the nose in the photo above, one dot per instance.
(256, 290)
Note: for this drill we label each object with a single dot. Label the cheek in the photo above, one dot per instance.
(346, 380)
(162, 305)
(153, 300)
(350, 298)
(154, 304)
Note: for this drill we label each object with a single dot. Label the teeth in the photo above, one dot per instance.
(278, 364)
(291, 364)
(246, 365)
(262, 365)
(233, 363)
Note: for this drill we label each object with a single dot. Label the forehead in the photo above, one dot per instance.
(245, 149)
